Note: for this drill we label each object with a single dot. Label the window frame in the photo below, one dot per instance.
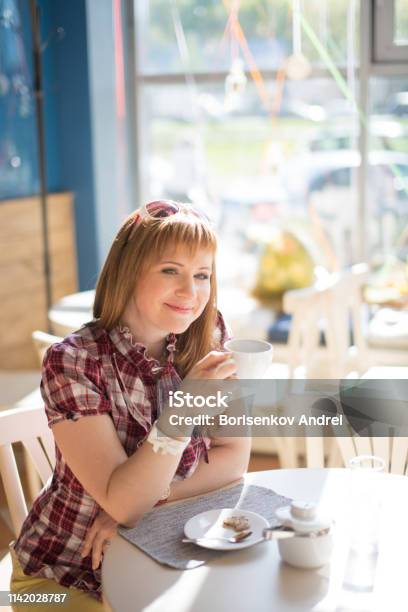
(385, 50)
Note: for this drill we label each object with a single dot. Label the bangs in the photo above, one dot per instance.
(188, 231)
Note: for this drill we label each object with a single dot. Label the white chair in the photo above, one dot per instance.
(20, 389)
(330, 305)
(335, 305)
(41, 342)
(394, 451)
(27, 425)
(340, 302)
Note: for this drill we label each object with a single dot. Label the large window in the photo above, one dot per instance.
(388, 179)
(251, 111)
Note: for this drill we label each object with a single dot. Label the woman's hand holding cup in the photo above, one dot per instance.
(201, 383)
(216, 365)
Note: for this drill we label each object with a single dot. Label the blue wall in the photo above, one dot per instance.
(67, 118)
(18, 149)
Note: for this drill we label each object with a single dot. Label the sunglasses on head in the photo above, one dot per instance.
(160, 209)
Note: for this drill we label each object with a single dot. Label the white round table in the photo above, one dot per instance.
(255, 578)
(71, 312)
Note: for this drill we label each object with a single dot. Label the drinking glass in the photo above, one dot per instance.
(366, 475)
(367, 472)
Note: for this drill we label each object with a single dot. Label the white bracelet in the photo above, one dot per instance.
(164, 444)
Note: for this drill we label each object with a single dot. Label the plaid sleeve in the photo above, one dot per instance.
(71, 384)
(222, 332)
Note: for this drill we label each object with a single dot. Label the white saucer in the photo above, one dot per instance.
(209, 525)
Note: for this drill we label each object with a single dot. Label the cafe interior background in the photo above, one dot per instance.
(286, 121)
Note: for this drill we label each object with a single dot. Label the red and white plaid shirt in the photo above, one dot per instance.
(93, 372)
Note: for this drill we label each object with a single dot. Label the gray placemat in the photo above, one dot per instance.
(160, 531)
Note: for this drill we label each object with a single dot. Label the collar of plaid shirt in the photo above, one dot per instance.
(123, 340)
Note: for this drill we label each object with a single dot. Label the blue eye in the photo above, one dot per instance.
(169, 271)
(173, 271)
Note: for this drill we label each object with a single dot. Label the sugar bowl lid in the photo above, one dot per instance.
(303, 517)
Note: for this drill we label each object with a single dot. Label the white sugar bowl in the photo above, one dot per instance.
(312, 544)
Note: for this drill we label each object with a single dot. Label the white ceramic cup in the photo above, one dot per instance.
(252, 357)
(309, 549)
(307, 553)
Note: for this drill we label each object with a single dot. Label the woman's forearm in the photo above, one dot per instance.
(226, 463)
(138, 484)
(154, 472)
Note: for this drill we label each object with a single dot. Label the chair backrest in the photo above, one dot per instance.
(394, 451)
(334, 302)
(29, 426)
(353, 400)
(344, 311)
(42, 341)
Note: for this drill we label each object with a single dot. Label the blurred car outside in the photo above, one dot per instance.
(398, 104)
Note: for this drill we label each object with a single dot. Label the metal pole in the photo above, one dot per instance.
(132, 95)
(39, 107)
(365, 63)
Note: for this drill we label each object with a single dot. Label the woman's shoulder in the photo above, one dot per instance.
(90, 339)
(73, 380)
(87, 344)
